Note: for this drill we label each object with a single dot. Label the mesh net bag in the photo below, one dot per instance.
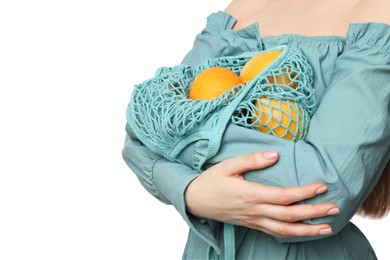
(279, 101)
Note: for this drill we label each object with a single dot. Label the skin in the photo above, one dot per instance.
(325, 17)
(221, 193)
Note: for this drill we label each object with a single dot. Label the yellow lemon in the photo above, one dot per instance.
(275, 115)
(283, 79)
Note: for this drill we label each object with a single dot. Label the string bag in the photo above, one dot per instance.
(278, 101)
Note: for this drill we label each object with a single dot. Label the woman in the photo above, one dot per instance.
(332, 172)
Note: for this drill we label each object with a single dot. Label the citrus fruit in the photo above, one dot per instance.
(259, 62)
(282, 78)
(273, 116)
(212, 82)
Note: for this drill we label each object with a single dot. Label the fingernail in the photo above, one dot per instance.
(333, 211)
(270, 155)
(325, 231)
(321, 189)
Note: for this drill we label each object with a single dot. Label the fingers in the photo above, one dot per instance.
(285, 229)
(247, 162)
(270, 209)
(296, 213)
(275, 195)
(285, 196)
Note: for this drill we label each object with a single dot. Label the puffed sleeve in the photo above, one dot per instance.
(348, 142)
(163, 179)
(218, 39)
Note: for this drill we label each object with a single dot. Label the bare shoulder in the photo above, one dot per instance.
(239, 8)
(320, 17)
(246, 11)
(356, 10)
(373, 11)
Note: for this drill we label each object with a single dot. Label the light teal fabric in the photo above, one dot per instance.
(166, 121)
(346, 148)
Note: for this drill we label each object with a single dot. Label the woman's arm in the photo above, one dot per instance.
(347, 146)
(168, 182)
(221, 193)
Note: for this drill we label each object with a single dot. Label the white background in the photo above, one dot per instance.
(67, 69)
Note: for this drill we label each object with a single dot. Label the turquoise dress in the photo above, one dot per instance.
(346, 148)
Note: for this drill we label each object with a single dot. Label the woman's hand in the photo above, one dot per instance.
(221, 193)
